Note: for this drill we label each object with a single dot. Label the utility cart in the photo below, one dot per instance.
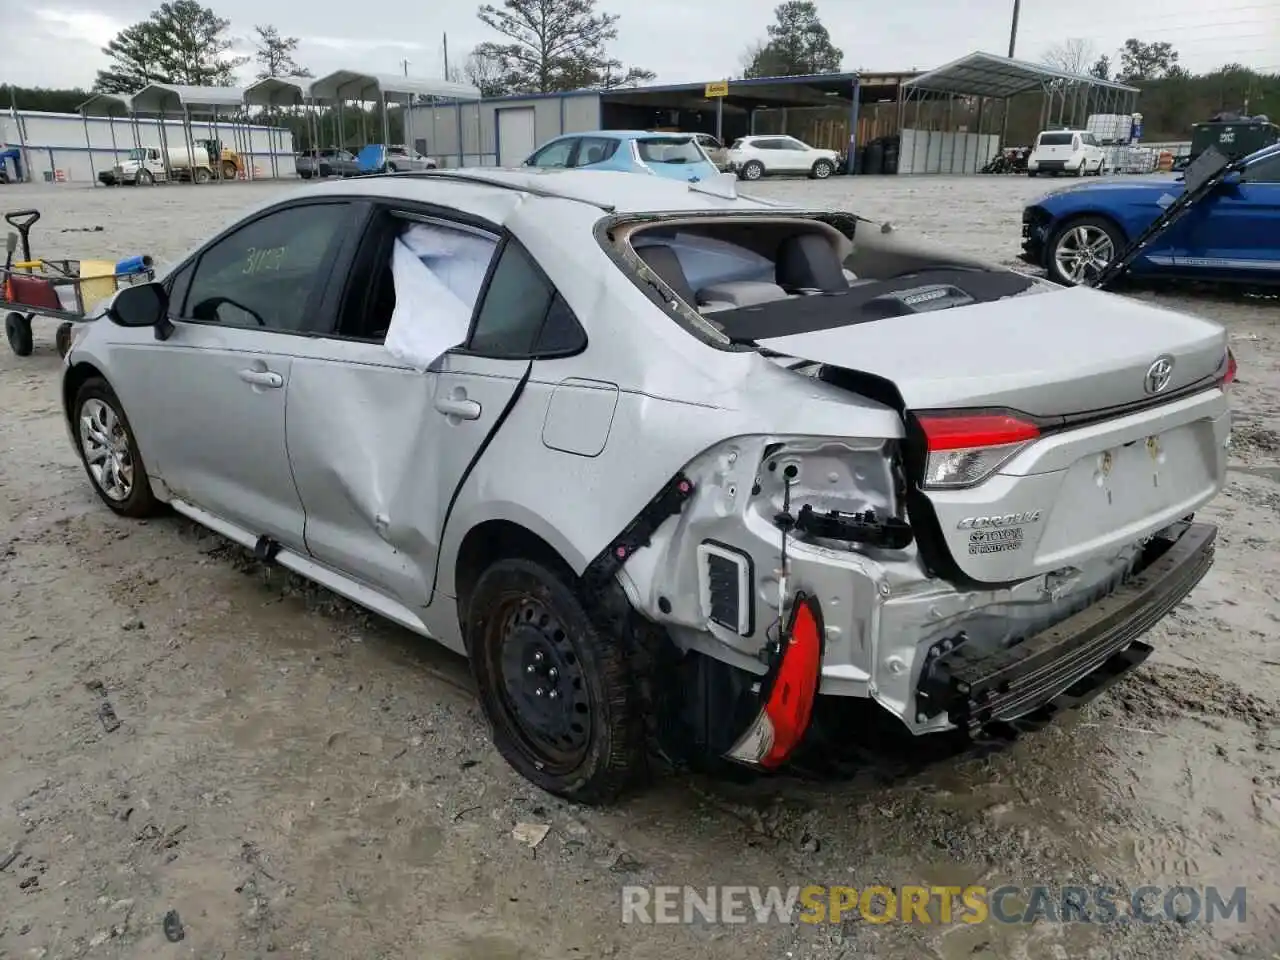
(65, 290)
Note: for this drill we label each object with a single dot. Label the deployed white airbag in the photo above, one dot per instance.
(438, 273)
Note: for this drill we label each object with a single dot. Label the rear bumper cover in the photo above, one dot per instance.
(1073, 661)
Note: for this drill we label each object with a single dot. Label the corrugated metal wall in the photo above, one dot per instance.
(467, 134)
(56, 145)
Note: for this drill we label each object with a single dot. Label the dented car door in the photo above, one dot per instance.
(377, 444)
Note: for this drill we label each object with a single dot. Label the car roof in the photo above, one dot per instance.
(487, 191)
(625, 134)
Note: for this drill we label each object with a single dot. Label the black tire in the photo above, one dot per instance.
(305, 174)
(527, 630)
(140, 502)
(228, 170)
(325, 171)
(1118, 243)
(1031, 173)
(202, 175)
(17, 330)
(751, 170)
(822, 169)
(145, 178)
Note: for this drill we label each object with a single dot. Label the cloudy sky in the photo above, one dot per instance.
(680, 40)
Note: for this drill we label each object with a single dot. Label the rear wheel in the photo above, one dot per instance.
(560, 696)
(203, 175)
(109, 451)
(822, 169)
(228, 170)
(752, 170)
(17, 330)
(1081, 248)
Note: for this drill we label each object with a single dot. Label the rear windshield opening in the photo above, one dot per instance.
(668, 150)
(1055, 139)
(762, 277)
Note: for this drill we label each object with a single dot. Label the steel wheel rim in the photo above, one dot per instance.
(535, 653)
(1082, 251)
(105, 444)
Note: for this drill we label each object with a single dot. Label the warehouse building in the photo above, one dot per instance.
(822, 110)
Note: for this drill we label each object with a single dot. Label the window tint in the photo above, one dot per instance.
(522, 315)
(554, 154)
(1055, 139)
(767, 144)
(595, 150)
(737, 144)
(1264, 171)
(669, 150)
(790, 143)
(265, 275)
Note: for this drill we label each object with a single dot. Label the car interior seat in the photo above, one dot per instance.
(808, 263)
(594, 154)
(662, 260)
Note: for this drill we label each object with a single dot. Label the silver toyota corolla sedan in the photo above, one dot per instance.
(672, 467)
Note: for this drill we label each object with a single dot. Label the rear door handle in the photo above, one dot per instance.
(459, 407)
(262, 378)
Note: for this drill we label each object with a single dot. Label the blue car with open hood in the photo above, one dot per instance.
(1232, 234)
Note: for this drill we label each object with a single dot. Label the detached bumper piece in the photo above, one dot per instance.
(1077, 659)
(788, 691)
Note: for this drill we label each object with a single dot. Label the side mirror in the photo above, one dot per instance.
(1233, 178)
(142, 305)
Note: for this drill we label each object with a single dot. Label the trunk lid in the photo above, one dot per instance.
(1104, 464)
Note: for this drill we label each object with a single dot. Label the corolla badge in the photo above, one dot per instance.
(1159, 375)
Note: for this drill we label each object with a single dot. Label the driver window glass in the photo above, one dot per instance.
(266, 274)
(554, 155)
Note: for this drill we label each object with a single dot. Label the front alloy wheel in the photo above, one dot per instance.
(1081, 249)
(109, 451)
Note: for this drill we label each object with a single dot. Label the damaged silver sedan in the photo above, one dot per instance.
(671, 466)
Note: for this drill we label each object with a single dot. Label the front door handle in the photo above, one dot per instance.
(262, 378)
(459, 407)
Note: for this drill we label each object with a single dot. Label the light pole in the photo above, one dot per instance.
(1013, 31)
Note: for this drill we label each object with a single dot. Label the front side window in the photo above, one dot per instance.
(522, 315)
(553, 154)
(790, 143)
(266, 274)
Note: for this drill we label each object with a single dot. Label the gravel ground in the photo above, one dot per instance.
(292, 776)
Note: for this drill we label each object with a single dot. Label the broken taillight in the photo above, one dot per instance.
(1229, 377)
(788, 691)
(966, 448)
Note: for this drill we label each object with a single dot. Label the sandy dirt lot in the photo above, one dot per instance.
(296, 778)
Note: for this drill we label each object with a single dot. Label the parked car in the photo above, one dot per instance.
(716, 151)
(1229, 236)
(754, 157)
(1076, 152)
(695, 460)
(330, 162)
(402, 159)
(676, 156)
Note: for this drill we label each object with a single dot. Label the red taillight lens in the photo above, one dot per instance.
(1230, 376)
(965, 449)
(790, 693)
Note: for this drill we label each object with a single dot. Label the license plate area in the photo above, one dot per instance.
(1122, 489)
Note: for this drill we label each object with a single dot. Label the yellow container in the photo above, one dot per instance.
(97, 281)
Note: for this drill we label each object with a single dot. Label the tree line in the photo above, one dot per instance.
(548, 46)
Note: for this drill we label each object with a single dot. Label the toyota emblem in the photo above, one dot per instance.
(1159, 375)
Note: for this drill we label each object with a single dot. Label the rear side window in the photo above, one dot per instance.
(1055, 139)
(737, 144)
(669, 150)
(595, 150)
(522, 315)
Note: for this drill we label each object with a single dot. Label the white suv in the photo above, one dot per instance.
(754, 157)
(1076, 152)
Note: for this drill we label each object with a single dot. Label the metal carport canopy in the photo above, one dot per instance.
(352, 85)
(163, 97)
(110, 105)
(988, 75)
(276, 92)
